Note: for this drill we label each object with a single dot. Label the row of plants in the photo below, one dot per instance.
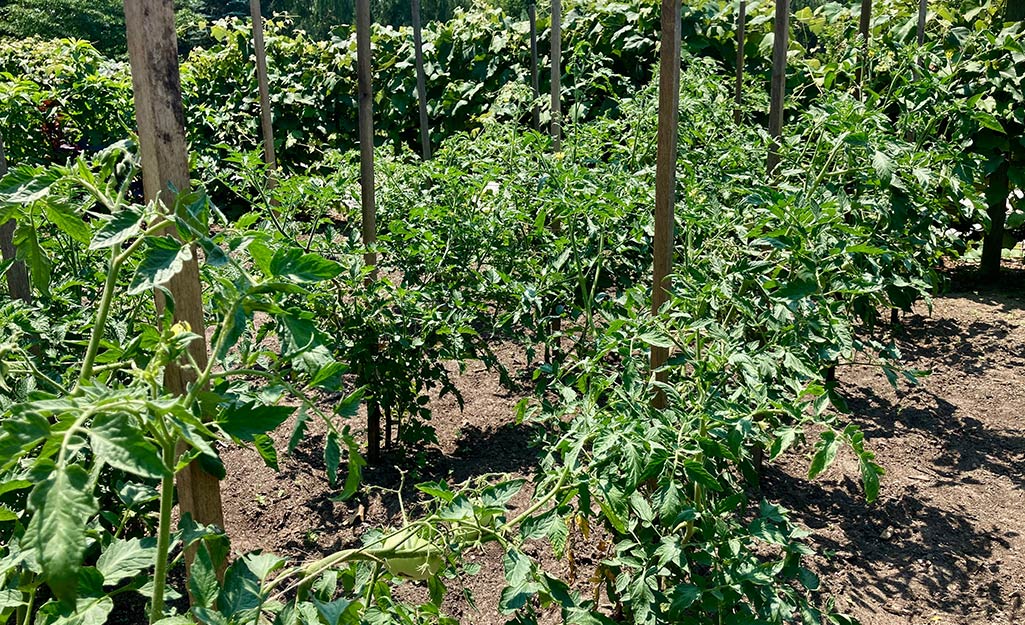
(61, 98)
(777, 282)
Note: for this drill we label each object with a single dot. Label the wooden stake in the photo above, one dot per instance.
(269, 157)
(421, 81)
(665, 171)
(153, 55)
(18, 285)
(556, 125)
(738, 98)
(865, 29)
(534, 77)
(923, 10)
(535, 81)
(364, 69)
(780, 43)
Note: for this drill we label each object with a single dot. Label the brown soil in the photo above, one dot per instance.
(944, 544)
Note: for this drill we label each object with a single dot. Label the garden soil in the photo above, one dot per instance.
(944, 544)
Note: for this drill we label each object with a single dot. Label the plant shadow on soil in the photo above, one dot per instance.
(937, 545)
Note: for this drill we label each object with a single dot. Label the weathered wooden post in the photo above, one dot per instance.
(865, 30)
(153, 55)
(665, 172)
(556, 104)
(18, 285)
(535, 80)
(269, 158)
(780, 43)
(364, 69)
(738, 98)
(421, 81)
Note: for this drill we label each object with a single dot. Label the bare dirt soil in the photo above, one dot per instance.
(943, 545)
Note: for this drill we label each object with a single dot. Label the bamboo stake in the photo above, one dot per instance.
(535, 81)
(269, 158)
(780, 43)
(739, 93)
(556, 125)
(153, 55)
(421, 81)
(665, 172)
(18, 285)
(364, 69)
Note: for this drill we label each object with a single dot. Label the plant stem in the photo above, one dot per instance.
(163, 532)
(101, 320)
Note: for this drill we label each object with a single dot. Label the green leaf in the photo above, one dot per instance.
(870, 473)
(517, 567)
(203, 586)
(332, 457)
(61, 507)
(25, 185)
(164, 258)
(883, 166)
(333, 612)
(292, 264)
(263, 564)
(117, 441)
(500, 494)
(124, 225)
(241, 594)
(124, 559)
(265, 447)
(697, 473)
(537, 527)
(68, 221)
(987, 120)
(825, 453)
(245, 421)
(26, 239)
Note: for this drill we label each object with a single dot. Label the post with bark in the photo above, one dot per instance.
(665, 172)
(865, 30)
(269, 158)
(556, 106)
(153, 56)
(18, 285)
(738, 98)
(780, 43)
(535, 80)
(421, 80)
(364, 69)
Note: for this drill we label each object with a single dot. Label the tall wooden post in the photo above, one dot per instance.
(738, 98)
(665, 171)
(421, 80)
(556, 125)
(780, 43)
(865, 30)
(153, 55)
(364, 69)
(923, 10)
(18, 285)
(269, 157)
(535, 80)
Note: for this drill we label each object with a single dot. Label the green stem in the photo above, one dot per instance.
(163, 532)
(101, 320)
